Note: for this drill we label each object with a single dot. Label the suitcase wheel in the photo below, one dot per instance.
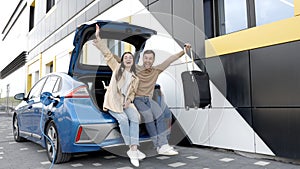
(187, 108)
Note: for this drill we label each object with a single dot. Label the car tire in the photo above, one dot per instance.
(59, 156)
(16, 130)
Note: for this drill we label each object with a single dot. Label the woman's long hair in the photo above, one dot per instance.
(122, 67)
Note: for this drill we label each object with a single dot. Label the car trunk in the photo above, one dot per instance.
(87, 63)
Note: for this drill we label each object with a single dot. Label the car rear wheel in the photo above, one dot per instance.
(16, 131)
(54, 150)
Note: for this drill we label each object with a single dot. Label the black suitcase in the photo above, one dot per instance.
(196, 88)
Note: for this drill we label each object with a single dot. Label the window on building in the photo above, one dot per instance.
(268, 11)
(226, 16)
(90, 55)
(36, 76)
(31, 16)
(50, 4)
(232, 16)
(208, 18)
(116, 46)
(49, 67)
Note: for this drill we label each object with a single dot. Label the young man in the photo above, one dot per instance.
(149, 109)
(158, 97)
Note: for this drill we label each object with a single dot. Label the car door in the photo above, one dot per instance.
(26, 116)
(39, 108)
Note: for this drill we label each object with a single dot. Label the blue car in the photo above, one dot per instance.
(67, 107)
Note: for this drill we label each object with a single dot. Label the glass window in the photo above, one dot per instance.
(268, 11)
(36, 90)
(57, 86)
(232, 16)
(31, 15)
(208, 18)
(50, 4)
(90, 55)
(50, 83)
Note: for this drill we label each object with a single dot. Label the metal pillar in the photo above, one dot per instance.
(7, 98)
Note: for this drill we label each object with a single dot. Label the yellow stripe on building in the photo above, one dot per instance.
(127, 47)
(297, 7)
(265, 35)
(29, 65)
(41, 65)
(54, 64)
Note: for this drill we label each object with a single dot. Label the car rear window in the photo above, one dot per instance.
(90, 55)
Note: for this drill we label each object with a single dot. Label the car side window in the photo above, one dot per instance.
(57, 85)
(35, 92)
(50, 83)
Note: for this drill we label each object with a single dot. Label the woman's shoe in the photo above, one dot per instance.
(166, 150)
(133, 155)
(141, 155)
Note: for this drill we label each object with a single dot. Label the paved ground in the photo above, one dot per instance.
(28, 155)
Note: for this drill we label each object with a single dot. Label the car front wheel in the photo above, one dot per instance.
(53, 145)
(16, 131)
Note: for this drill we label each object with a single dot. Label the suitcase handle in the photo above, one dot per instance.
(186, 61)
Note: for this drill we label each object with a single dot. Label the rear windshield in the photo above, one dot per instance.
(90, 55)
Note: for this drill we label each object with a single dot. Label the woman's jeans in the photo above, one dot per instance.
(129, 125)
(153, 118)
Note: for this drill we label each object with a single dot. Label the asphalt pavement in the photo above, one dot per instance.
(28, 155)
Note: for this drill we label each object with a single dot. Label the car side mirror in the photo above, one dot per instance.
(20, 96)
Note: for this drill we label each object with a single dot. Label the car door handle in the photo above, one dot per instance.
(29, 107)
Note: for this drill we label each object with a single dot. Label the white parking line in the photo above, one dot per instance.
(162, 157)
(1, 158)
(9, 137)
(125, 168)
(13, 142)
(40, 151)
(1, 153)
(192, 157)
(109, 157)
(97, 164)
(177, 164)
(45, 162)
(77, 165)
(262, 163)
(23, 149)
(226, 159)
(1, 148)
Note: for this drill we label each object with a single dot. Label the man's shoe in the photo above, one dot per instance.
(166, 150)
(141, 155)
(133, 155)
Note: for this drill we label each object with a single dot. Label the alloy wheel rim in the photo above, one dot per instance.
(52, 134)
(16, 128)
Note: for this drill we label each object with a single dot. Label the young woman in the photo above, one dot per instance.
(119, 97)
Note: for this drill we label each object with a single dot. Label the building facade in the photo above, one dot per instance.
(248, 47)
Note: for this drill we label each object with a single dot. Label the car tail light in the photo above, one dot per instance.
(79, 131)
(80, 92)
